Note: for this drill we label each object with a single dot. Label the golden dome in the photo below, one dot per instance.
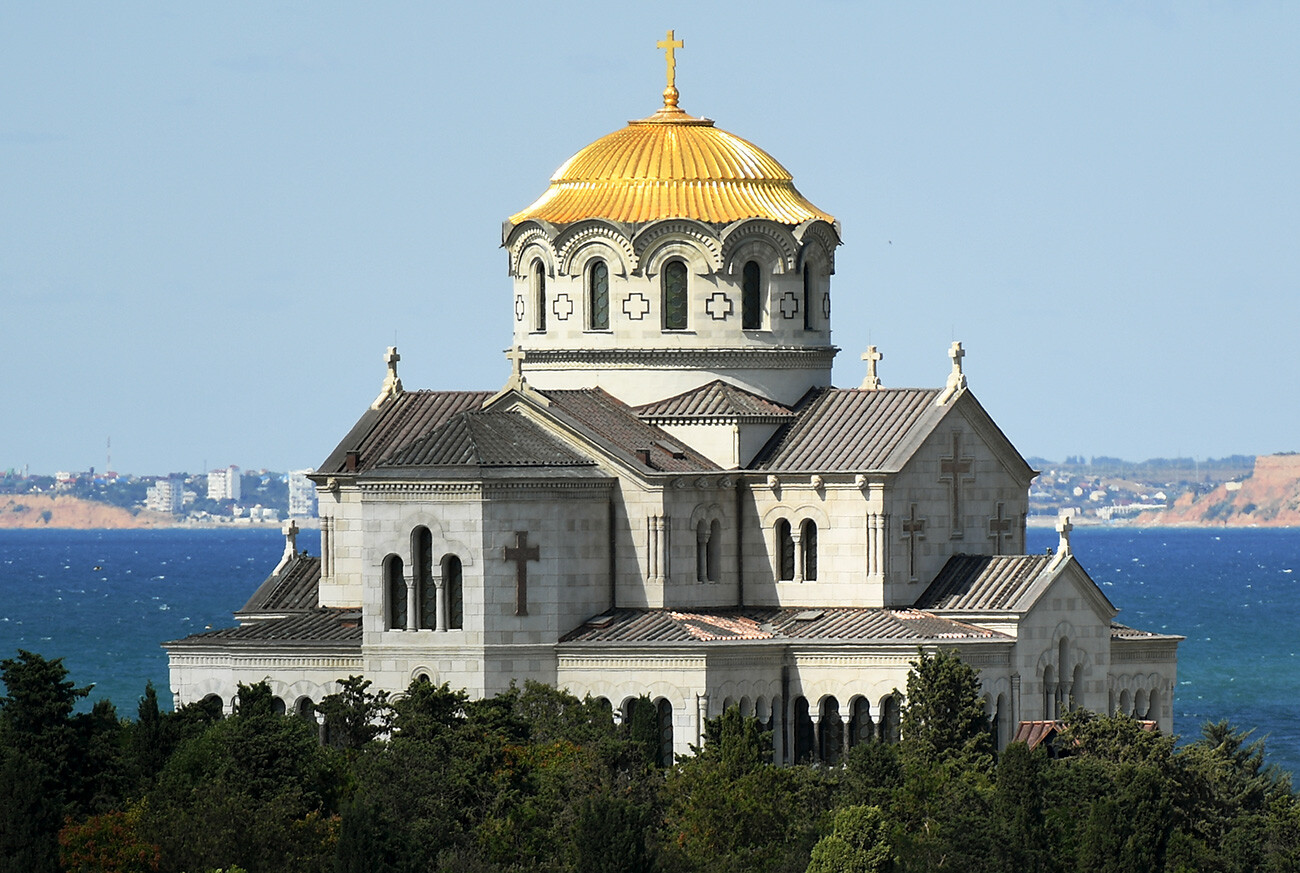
(671, 165)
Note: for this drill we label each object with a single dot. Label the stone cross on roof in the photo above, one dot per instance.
(956, 379)
(290, 531)
(1063, 527)
(392, 385)
(872, 356)
(516, 356)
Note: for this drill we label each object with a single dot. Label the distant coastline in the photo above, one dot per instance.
(61, 512)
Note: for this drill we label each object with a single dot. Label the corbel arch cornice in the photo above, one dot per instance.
(531, 240)
(663, 239)
(588, 239)
(739, 237)
(823, 236)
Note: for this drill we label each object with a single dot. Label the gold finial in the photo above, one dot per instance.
(668, 45)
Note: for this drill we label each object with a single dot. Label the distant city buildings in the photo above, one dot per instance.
(224, 484)
(166, 495)
(302, 495)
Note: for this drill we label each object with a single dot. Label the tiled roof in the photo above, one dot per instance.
(296, 588)
(613, 423)
(382, 433)
(487, 439)
(848, 429)
(1033, 733)
(982, 582)
(717, 399)
(772, 623)
(316, 626)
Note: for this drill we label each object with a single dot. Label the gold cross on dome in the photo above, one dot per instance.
(669, 45)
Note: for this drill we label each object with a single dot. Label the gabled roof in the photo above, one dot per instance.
(609, 422)
(487, 439)
(717, 399)
(850, 429)
(294, 589)
(983, 583)
(863, 624)
(381, 433)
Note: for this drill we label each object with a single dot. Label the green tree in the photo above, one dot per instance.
(943, 716)
(1018, 800)
(857, 843)
(354, 715)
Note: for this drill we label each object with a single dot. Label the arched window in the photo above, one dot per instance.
(305, 709)
(539, 295)
(1049, 692)
(664, 713)
(807, 297)
(702, 551)
(713, 563)
(1123, 703)
(451, 580)
(675, 296)
(598, 295)
(1153, 706)
(830, 739)
(751, 301)
(395, 585)
(1076, 688)
(808, 539)
(784, 550)
(889, 720)
(861, 728)
(278, 706)
(426, 596)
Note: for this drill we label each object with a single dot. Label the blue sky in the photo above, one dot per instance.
(215, 217)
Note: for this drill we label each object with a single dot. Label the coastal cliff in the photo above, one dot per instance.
(1268, 497)
(41, 510)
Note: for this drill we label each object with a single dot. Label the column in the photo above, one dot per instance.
(816, 718)
(701, 553)
(1015, 703)
(412, 603)
(796, 534)
(845, 720)
(701, 716)
(440, 604)
(325, 557)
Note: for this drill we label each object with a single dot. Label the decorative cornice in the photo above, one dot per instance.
(701, 234)
(781, 357)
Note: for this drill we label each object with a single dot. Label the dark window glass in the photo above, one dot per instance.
(599, 306)
(451, 577)
(426, 594)
(675, 296)
(751, 313)
(539, 296)
(808, 537)
(396, 593)
(807, 297)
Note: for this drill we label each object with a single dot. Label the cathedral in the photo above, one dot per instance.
(668, 500)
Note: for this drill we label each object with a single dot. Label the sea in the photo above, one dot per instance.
(104, 601)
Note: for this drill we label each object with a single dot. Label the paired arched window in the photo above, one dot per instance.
(785, 550)
(598, 295)
(708, 551)
(395, 586)
(751, 300)
(538, 281)
(426, 598)
(809, 543)
(674, 295)
(796, 551)
(808, 293)
(452, 580)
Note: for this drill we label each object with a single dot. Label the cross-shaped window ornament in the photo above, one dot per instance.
(636, 306)
(718, 306)
(562, 306)
(999, 527)
(913, 530)
(521, 553)
(789, 305)
(519, 307)
(955, 470)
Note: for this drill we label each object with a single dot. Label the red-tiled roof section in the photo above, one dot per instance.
(615, 424)
(982, 582)
(382, 433)
(773, 623)
(488, 439)
(847, 429)
(717, 399)
(296, 588)
(323, 625)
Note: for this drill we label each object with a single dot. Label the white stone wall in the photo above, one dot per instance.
(196, 674)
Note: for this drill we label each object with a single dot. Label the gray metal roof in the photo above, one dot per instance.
(718, 399)
(317, 626)
(381, 433)
(849, 429)
(773, 623)
(294, 589)
(982, 583)
(487, 439)
(610, 422)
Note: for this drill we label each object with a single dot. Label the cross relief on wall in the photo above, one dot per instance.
(521, 553)
(955, 470)
(562, 306)
(636, 306)
(789, 305)
(519, 307)
(999, 528)
(718, 306)
(913, 530)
